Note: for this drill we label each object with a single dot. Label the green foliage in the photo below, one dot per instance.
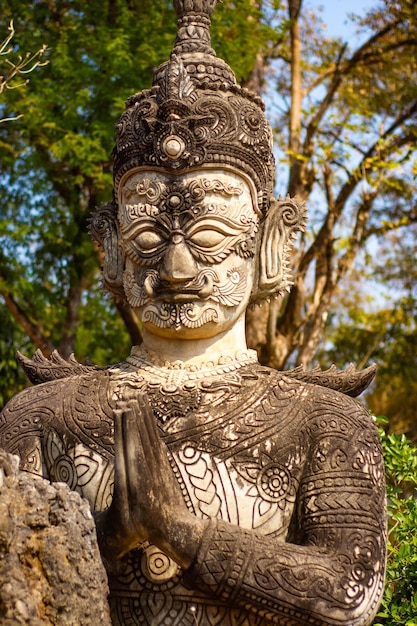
(101, 337)
(11, 375)
(399, 605)
(241, 30)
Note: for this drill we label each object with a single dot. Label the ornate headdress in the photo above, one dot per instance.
(196, 115)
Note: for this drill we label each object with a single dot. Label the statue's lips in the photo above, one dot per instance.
(180, 298)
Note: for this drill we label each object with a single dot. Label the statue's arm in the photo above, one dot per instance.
(20, 432)
(332, 572)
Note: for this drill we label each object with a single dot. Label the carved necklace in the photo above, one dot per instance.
(176, 388)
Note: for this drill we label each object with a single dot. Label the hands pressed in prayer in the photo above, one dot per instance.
(147, 501)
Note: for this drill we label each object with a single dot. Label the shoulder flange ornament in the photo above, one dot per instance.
(39, 369)
(350, 381)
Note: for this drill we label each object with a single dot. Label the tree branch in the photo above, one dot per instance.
(358, 236)
(33, 331)
(383, 152)
(354, 178)
(367, 59)
(131, 322)
(340, 72)
(296, 93)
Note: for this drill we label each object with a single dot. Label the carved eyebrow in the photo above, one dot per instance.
(132, 230)
(237, 213)
(218, 186)
(145, 188)
(227, 227)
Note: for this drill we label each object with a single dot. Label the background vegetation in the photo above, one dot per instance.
(345, 122)
(399, 604)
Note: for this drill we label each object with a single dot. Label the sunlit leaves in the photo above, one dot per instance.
(399, 604)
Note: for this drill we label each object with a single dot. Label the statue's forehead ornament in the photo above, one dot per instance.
(193, 197)
(173, 147)
(195, 115)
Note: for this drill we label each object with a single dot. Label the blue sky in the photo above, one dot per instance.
(335, 15)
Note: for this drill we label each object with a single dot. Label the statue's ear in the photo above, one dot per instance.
(104, 229)
(279, 229)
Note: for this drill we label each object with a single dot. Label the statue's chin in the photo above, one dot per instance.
(179, 317)
(190, 320)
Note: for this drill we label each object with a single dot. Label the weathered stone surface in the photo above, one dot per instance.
(50, 566)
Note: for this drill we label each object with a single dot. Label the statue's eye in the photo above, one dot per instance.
(212, 234)
(207, 238)
(148, 240)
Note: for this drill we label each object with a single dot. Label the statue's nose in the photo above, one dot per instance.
(178, 264)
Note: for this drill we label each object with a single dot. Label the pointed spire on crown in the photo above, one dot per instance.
(193, 48)
(194, 18)
(199, 7)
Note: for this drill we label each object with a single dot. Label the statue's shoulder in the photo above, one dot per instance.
(317, 392)
(54, 380)
(324, 402)
(66, 397)
(349, 382)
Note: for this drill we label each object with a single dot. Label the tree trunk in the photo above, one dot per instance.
(294, 7)
(33, 331)
(67, 344)
(131, 322)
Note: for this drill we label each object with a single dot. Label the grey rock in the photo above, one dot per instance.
(50, 567)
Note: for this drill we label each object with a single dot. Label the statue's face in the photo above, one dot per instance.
(188, 242)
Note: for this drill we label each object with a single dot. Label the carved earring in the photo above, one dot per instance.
(104, 229)
(284, 219)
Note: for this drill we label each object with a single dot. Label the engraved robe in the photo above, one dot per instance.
(290, 475)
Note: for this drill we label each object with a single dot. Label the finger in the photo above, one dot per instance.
(120, 489)
(150, 438)
(136, 466)
(146, 416)
(156, 471)
(163, 475)
(159, 485)
(151, 422)
(143, 445)
(145, 407)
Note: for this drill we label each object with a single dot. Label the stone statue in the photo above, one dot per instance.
(225, 493)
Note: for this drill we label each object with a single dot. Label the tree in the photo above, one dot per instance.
(14, 76)
(386, 334)
(56, 166)
(349, 123)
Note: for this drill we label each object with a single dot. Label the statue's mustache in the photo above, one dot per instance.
(201, 285)
(205, 286)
